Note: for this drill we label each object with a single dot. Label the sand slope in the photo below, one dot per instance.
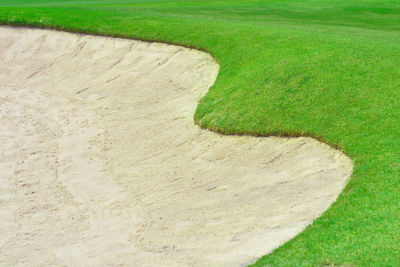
(101, 164)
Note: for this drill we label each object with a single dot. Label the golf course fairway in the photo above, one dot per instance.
(323, 69)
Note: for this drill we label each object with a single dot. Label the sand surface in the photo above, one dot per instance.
(102, 165)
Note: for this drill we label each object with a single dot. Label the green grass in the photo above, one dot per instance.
(323, 68)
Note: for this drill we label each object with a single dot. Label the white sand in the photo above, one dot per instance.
(101, 164)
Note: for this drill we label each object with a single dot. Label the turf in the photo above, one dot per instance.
(327, 69)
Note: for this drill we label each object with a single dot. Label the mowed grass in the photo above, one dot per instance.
(327, 69)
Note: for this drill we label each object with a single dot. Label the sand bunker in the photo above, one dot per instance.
(101, 164)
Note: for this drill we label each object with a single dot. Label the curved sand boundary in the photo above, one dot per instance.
(101, 163)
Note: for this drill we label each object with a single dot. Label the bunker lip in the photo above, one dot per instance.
(102, 164)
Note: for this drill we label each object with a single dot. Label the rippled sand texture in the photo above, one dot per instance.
(101, 164)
